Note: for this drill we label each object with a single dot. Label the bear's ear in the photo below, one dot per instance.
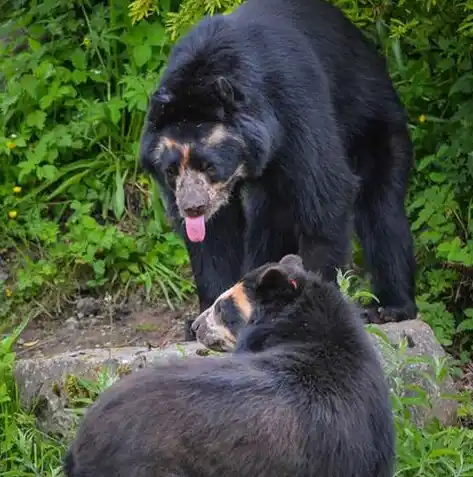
(275, 283)
(224, 90)
(292, 261)
(160, 102)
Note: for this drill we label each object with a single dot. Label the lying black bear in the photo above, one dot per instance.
(311, 402)
(271, 128)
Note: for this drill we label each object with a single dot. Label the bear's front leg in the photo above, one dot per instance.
(326, 253)
(217, 261)
(269, 232)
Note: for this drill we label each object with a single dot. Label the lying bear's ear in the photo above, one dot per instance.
(293, 261)
(276, 283)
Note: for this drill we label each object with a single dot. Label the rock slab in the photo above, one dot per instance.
(43, 380)
(427, 373)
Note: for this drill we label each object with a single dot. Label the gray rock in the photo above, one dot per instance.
(44, 380)
(88, 306)
(42, 383)
(72, 324)
(419, 365)
(4, 270)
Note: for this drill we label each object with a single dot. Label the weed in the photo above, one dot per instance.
(75, 213)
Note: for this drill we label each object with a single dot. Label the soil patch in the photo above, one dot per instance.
(95, 323)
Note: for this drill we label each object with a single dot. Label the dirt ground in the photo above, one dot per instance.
(92, 323)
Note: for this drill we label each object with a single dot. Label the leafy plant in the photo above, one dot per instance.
(24, 450)
(428, 47)
(75, 212)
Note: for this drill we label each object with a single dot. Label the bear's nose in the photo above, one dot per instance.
(195, 211)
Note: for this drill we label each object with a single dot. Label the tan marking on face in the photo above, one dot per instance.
(185, 157)
(241, 301)
(167, 143)
(212, 333)
(163, 144)
(170, 144)
(218, 135)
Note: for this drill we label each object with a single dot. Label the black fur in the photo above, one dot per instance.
(325, 137)
(311, 402)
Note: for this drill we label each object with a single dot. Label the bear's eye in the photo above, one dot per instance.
(172, 172)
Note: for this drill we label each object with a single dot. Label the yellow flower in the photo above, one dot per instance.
(16, 189)
(422, 118)
(13, 214)
(11, 145)
(8, 292)
(86, 41)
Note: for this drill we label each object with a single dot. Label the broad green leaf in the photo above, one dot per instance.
(141, 54)
(156, 34)
(119, 198)
(47, 172)
(465, 325)
(79, 76)
(36, 119)
(46, 101)
(29, 83)
(78, 59)
(34, 45)
(115, 106)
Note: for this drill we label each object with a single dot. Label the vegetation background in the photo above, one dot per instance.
(76, 215)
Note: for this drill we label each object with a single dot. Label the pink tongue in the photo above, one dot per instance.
(195, 228)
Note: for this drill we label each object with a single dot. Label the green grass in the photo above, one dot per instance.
(24, 450)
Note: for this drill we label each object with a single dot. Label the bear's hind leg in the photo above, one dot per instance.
(382, 226)
(269, 233)
(325, 255)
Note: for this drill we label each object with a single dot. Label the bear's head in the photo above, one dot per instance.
(208, 124)
(187, 145)
(262, 294)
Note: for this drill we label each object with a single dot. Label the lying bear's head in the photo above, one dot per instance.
(266, 290)
(208, 125)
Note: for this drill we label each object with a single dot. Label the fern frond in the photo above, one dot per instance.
(191, 11)
(140, 9)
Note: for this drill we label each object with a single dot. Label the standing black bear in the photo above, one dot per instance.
(311, 401)
(271, 129)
